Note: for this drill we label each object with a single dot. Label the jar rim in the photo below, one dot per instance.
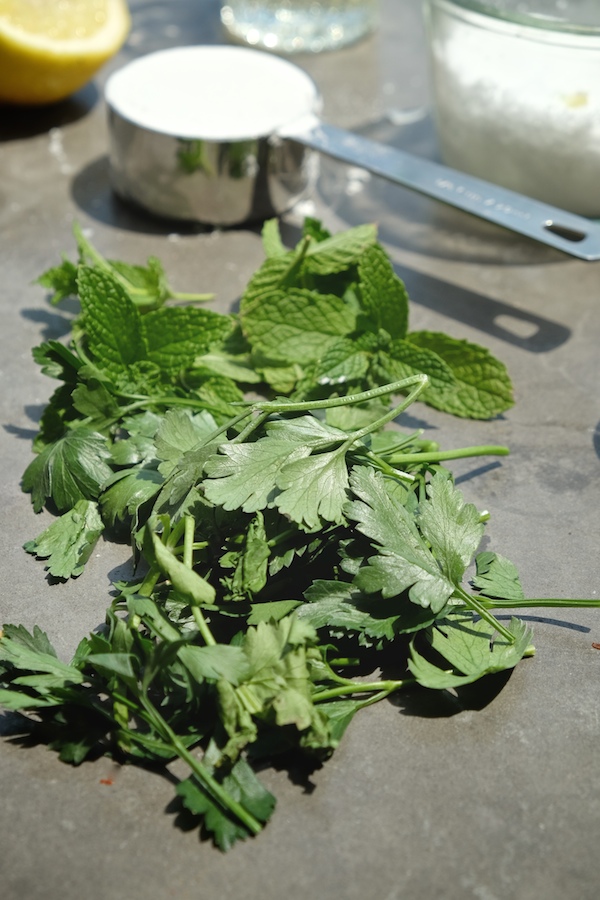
(509, 12)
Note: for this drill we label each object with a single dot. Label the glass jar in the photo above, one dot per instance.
(516, 90)
(295, 26)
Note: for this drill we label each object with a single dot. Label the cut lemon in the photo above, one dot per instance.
(51, 48)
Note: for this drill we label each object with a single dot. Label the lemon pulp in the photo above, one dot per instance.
(51, 48)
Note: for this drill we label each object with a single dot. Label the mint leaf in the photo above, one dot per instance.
(271, 239)
(382, 294)
(483, 388)
(68, 542)
(73, 468)
(112, 323)
(403, 358)
(296, 325)
(345, 362)
(61, 280)
(176, 335)
(148, 281)
(339, 252)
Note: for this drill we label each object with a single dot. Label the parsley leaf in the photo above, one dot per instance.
(73, 468)
(69, 541)
(471, 650)
(404, 560)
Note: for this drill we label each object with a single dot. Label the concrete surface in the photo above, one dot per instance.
(500, 801)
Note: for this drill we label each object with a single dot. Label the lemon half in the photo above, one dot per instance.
(51, 48)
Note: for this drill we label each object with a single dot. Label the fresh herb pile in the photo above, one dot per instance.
(286, 547)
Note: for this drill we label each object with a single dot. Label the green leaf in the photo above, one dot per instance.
(176, 335)
(278, 686)
(345, 362)
(242, 785)
(339, 714)
(483, 388)
(62, 280)
(127, 491)
(471, 650)
(68, 542)
(383, 295)
(452, 527)
(272, 610)
(271, 239)
(313, 490)
(403, 359)
(33, 654)
(251, 568)
(153, 618)
(297, 325)
(244, 476)
(404, 561)
(94, 401)
(119, 664)
(73, 468)
(236, 366)
(112, 323)
(306, 430)
(215, 662)
(337, 604)
(183, 579)
(179, 432)
(497, 577)
(57, 361)
(339, 252)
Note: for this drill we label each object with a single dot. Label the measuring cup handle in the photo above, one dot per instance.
(565, 231)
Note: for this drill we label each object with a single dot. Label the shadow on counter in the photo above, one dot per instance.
(21, 122)
(519, 327)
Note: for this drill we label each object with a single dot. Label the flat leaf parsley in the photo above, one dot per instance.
(283, 543)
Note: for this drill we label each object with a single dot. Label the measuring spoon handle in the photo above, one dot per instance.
(565, 231)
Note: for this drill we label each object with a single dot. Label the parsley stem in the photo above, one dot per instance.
(278, 406)
(440, 455)
(188, 542)
(202, 774)
(475, 604)
(360, 687)
(541, 602)
(184, 295)
(420, 382)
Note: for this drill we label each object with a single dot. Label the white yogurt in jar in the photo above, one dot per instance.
(519, 106)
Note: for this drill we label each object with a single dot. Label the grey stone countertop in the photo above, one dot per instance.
(494, 800)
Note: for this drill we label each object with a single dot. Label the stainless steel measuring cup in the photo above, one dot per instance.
(224, 135)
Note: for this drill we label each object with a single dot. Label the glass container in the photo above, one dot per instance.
(295, 26)
(516, 91)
